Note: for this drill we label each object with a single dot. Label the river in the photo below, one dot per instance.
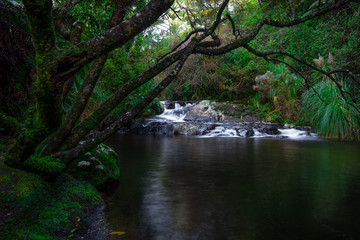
(236, 188)
(222, 184)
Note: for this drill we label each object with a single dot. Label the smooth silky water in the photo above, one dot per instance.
(180, 188)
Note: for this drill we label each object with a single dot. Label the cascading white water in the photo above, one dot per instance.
(234, 131)
(178, 116)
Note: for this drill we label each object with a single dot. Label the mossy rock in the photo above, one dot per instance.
(98, 166)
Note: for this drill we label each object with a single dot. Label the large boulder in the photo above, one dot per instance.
(237, 110)
(206, 109)
(193, 129)
(99, 166)
(221, 111)
(244, 131)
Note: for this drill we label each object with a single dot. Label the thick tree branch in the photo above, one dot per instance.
(107, 106)
(91, 143)
(56, 139)
(75, 58)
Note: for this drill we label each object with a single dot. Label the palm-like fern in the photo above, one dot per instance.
(330, 114)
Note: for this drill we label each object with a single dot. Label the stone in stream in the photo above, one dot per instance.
(244, 132)
(271, 130)
(193, 129)
(304, 128)
(169, 105)
(249, 132)
(149, 128)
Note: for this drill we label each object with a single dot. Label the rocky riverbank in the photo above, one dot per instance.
(212, 119)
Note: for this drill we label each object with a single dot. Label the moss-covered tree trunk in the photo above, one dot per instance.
(45, 134)
(47, 90)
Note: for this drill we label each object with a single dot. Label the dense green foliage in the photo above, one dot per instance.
(85, 68)
(232, 76)
(229, 77)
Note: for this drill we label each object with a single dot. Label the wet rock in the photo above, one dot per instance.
(249, 132)
(169, 105)
(149, 128)
(190, 118)
(303, 128)
(181, 103)
(282, 137)
(203, 119)
(271, 130)
(306, 129)
(192, 129)
(185, 129)
(244, 131)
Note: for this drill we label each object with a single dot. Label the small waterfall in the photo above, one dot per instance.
(178, 119)
(176, 114)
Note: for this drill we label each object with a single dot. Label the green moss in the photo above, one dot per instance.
(44, 210)
(45, 165)
(97, 166)
(24, 186)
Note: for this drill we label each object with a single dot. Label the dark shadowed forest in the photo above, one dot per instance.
(73, 73)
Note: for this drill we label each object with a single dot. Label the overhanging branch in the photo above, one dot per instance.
(73, 59)
(328, 74)
(267, 21)
(102, 136)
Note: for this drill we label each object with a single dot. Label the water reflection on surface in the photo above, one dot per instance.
(236, 188)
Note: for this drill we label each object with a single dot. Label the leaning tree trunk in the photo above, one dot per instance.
(54, 68)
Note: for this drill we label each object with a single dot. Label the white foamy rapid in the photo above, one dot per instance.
(236, 131)
(180, 121)
(293, 133)
(177, 114)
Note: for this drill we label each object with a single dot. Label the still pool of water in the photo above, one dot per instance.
(188, 188)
